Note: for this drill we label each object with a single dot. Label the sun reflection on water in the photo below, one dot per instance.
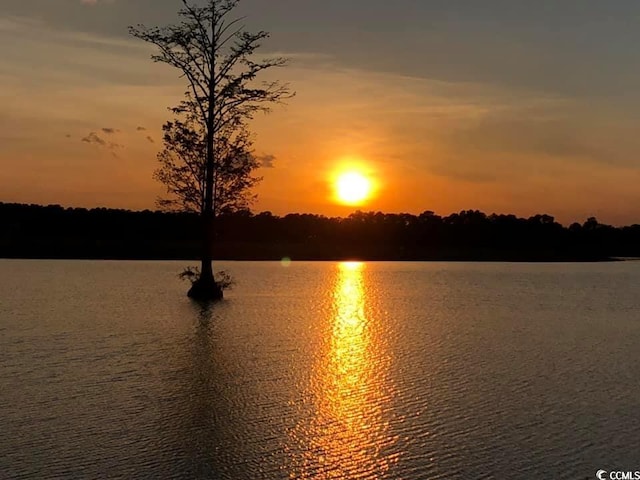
(347, 433)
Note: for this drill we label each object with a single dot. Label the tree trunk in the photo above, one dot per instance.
(206, 288)
(206, 270)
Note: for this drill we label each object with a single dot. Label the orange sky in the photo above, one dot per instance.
(429, 143)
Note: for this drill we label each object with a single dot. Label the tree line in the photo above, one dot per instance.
(33, 231)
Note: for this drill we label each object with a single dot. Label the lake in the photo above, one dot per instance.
(320, 370)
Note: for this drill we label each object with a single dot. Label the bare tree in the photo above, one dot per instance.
(216, 55)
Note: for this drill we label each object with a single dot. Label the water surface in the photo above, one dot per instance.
(320, 370)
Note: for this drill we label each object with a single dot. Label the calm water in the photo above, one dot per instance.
(320, 370)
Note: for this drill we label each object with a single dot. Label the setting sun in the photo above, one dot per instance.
(352, 188)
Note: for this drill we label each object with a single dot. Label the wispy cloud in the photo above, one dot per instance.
(81, 59)
(95, 139)
(266, 161)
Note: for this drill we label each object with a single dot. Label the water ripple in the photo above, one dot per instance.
(321, 370)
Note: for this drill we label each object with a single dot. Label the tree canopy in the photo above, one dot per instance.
(57, 232)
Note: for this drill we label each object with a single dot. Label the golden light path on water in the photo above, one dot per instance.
(347, 433)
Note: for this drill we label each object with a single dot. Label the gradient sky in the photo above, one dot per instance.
(506, 106)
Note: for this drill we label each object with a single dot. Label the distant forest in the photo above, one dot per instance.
(33, 231)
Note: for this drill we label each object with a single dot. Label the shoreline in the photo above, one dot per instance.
(336, 259)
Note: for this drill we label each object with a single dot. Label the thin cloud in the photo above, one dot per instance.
(266, 161)
(94, 139)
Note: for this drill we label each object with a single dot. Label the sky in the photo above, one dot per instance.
(506, 106)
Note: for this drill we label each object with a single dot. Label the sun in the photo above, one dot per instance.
(352, 188)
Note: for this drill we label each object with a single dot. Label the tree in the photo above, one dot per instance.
(215, 54)
(183, 169)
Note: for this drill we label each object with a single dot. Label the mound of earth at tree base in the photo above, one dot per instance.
(205, 290)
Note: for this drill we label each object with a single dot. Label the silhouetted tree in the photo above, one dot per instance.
(215, 54)
(183, 168)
